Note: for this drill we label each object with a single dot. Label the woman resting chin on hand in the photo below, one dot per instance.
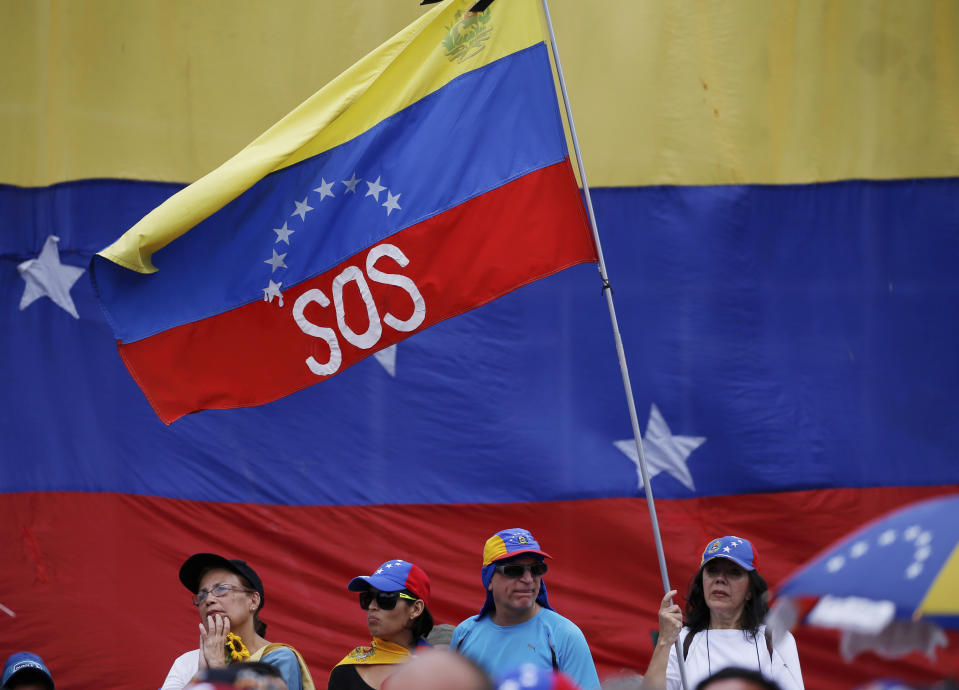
(228, 595)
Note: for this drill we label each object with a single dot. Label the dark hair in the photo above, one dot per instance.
(755, 607)
(259, 627)
(754, 677)
(423, 623)
(231, 672)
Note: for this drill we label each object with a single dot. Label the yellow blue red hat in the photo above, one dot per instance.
(736, 549)
(504, 546)
(510, 543)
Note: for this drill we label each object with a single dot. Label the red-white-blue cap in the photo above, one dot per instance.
(736, 549)
(394, 576)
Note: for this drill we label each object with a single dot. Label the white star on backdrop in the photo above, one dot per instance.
(45, 276)
(375, 188)
(664, 452)
(283, 234)
(325, 189)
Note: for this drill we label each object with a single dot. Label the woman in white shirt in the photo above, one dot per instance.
(725, 610)
(228, 595)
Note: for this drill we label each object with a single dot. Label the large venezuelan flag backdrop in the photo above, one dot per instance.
(777, 188)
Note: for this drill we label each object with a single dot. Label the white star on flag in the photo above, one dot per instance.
(375, 188)
(273, 290)
(302, 208)
(283, 234)
(391, 202)
(325, 189)
(664, 451)
(276, 261)
(351, 183)
(835, 563)
(46, 276)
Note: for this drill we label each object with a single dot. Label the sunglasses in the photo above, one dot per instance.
(385, 601)
(516, 571)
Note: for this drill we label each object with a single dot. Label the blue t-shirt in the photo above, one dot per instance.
(502, 648)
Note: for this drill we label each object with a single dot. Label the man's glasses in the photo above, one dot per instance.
(384, 600)
(218, 591)
(516, 571)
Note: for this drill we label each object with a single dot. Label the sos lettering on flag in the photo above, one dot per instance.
(355, 265)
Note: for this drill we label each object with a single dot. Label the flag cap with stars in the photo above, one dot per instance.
(394, 576)
(507, 545)
(510, 543)
(736, 549)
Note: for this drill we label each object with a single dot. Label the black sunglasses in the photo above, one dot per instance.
(516, 571)
(384, 600)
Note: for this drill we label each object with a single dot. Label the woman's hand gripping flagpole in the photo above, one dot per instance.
(607, 290)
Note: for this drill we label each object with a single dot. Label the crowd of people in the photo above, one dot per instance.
(517, 641)
(516, 631)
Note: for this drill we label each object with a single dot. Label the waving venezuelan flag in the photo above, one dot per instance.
(429, 178)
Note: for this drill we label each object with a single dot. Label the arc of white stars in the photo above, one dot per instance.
(302, 208)
(276, 261)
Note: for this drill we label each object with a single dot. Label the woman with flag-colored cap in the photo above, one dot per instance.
(229, 595)
(395, 598)
(725, 610)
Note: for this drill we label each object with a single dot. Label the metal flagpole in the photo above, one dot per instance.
(619, 342)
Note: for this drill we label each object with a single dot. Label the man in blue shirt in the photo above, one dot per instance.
(516, 624)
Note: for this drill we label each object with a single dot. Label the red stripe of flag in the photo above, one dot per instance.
(457, 260)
